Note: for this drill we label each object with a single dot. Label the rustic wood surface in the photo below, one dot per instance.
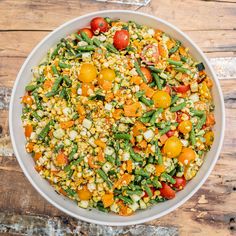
(212, 210)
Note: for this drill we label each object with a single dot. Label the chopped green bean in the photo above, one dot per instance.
(178, 107)
(148, 190)
(183, 70)
(175, 48)
(122, 136)
(174, 99)
(55, 52)
(97, 42)
(37, 100)
(201, 122)
(138, 70)
(175, 63)
(86, 38)
(148, 114)
(44, 132)
(155, 115)
(63, 65)
(168, 178)
(73, 152)
(111, 48)
(158, 153)
(135, 156)
(137, 192)
(147, 102)
(54, 87)
(126, 200)
(141, 172)
(197, 112)
(165, 130)
(67, 80)
(157, 80)
(54, 70)
(86, 48)
(103, 175)
(31, 87)
(36, 116)
(192, 137)
(154, 69)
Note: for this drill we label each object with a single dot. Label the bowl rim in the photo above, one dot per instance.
(122, 223)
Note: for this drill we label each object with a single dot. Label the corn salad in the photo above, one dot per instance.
(118, 116)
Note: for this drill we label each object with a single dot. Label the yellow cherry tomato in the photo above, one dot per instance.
(162, 99)
(172, 147)
(187, 155)
(107, 74)
(185, 126)
(84, 193)
(88, 73)
(209, 136)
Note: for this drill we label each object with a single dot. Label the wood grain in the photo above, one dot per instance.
(212, 210)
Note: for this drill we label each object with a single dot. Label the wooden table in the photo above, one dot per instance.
(211, 24)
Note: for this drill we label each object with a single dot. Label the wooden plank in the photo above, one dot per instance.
(20, 43)
(46, 15)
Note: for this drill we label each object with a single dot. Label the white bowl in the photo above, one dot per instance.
(27, 163)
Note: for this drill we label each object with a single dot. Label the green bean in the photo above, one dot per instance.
(37, 100)
(86, 38)
(73, 163)
(142, 172)
(63, 65)
(165, 130)
(100, 207)
(154, 69)
(183, 70)
(148, 114)
(145, 119)
(103, 175)
(168, 178)
(157, 80)
(158, 153)
(132, 192)
(111, 48)
(174, 99)
(42, 135)
(135, 156)
(55, 52)
(54, 87)
(147, 102)
(178, 107)
(110, 159)
(148, 190)
(70, 192)
(184, 59)
(192, 137)
(201, 122)
(122, 136)
(36, 116)
(155, 115)
(140, 73)
(58, 147)
(126, 200)
(86, 48)
(78, 37)
(75, 116)
(67, 80)
(97, 42)
(31, 87)
(152, 84)
(197, 112)
(175, 48)
(156, 183)
(54, 70)
(73, 152)
(175, 63)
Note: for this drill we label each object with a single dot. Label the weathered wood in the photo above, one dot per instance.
(188, 15)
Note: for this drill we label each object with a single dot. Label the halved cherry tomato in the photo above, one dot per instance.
(147, 74)
(180, 183)
(150, 54)
(99, 24)
(121, 39)
(161, 99)
(187, 155)
(166, 191)
(172, 147)
(170, 133)
(88, 72)
(87, 31)
(181, 88)
(185, 126)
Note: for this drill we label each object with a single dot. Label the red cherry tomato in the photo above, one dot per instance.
(121, 39)
(181, 88)
(180, 183)
(98, 25)
(153, 191)
(170, 133)
(166, 191)
(145, 55)
(86, 31)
